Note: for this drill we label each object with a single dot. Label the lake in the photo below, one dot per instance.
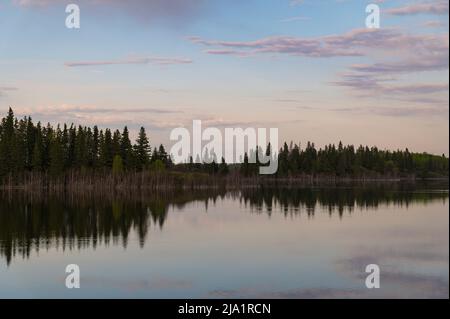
(305, 242)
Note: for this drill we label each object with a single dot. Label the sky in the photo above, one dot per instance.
(310, 68)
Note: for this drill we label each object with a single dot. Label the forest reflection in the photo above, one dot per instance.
(35, 221)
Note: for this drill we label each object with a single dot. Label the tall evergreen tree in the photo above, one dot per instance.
(142, 149)
(106, 150)
(126, 150)
(7, 144)
(56, 154)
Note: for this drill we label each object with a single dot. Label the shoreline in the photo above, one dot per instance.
(169, 182)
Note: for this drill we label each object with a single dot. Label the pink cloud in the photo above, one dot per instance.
(434, 24)
(439, 7)
(145, 60)
(4, 89)
(358, 42)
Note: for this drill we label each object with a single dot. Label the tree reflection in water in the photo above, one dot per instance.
(34, 221)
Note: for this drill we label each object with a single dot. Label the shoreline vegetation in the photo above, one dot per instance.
(71, 158)
(152, 181)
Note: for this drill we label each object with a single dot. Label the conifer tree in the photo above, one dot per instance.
(126, 150)
(142, 149)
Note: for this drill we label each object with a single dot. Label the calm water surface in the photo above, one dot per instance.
(271, 243)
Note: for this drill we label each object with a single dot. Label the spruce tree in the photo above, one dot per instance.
(142, 149)
(126, 150)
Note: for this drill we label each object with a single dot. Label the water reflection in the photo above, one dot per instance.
(30, 221)
(38, 221)
(340, 199)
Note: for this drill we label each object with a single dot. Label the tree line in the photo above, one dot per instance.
(25, 146)
(29, 147)
(349, 161)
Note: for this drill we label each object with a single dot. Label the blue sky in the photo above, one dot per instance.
(310, 68)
